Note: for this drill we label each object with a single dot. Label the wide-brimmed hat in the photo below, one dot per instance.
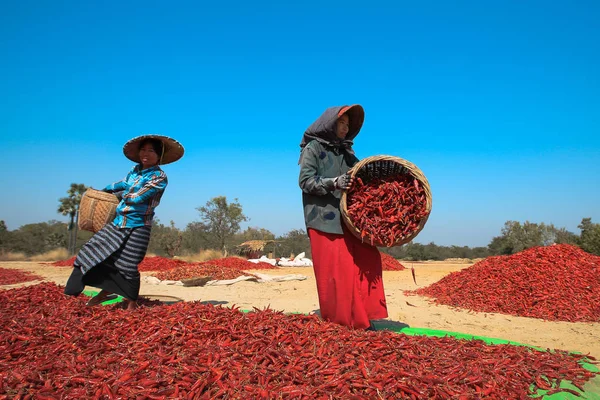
(172, 149)
(356, 115)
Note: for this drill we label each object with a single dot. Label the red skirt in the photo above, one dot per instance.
(349, 279)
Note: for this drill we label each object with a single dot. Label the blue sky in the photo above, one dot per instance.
(498, 103)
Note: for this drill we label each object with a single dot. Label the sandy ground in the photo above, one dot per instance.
(414, 311)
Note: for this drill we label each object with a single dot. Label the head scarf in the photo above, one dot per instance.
(323, 129)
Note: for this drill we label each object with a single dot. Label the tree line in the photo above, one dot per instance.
(219, 228)
(514, 237)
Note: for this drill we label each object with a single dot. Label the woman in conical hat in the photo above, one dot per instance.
(348, 272)
(109, 260)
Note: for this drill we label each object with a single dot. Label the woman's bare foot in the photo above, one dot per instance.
(100, 298)
(131, 304)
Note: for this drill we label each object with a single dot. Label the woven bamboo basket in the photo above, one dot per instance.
(96, 209)
(380, 167)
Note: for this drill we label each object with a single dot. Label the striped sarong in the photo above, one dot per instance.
(122, 248)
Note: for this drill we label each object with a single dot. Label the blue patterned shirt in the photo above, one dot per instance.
(142, 190)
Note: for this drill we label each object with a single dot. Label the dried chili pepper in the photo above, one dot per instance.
(64, 263)
(559, 283)
(238, 263)
(386, 210)
(389, 263)
(158, 263)
(55, 346)
(11, 276)
(198, 270)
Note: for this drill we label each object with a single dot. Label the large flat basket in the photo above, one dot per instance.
(96, 209)
(384, 167)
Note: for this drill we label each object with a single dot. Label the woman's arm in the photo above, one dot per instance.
(154, 186)
(309, 180)
(117, 186)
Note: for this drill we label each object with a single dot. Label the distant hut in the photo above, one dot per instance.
(253, 249)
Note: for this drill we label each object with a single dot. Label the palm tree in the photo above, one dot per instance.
(70, 206)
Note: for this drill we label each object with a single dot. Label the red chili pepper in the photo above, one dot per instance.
(389, 263)
(12, 276)
(387, 210)
(196, 350)
(157, 263)
(559, 283)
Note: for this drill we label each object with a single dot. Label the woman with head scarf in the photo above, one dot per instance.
(348, 272)
(109, 260)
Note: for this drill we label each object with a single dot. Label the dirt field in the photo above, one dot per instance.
(414, 311)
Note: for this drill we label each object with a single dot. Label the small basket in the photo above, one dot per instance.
(96, 209)
(380, 167)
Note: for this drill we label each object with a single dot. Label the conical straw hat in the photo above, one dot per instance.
(172, 149)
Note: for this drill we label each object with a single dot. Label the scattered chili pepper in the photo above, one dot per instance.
(151, 263)
(11, 276)
(158, 263)
(386, 210)
(219, 269)
(64, 263)
(557, 283)
(238, 263)
(53, 346)
(198, 270)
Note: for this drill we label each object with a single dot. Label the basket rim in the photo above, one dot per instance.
(414, 171)
(100, 195)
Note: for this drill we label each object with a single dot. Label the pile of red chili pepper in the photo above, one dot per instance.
(157, 263)
(239, 264)
(200, 270)
(64, 263)
(52, 347)
(152, 263)
(558, 283)
(387, 210)
(218, 269)
(11, 276)
(389, 263)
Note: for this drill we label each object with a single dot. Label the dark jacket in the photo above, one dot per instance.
(323, 158)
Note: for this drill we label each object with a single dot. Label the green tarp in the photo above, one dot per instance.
(592, 388)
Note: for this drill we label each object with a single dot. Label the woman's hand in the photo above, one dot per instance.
(344, 182)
